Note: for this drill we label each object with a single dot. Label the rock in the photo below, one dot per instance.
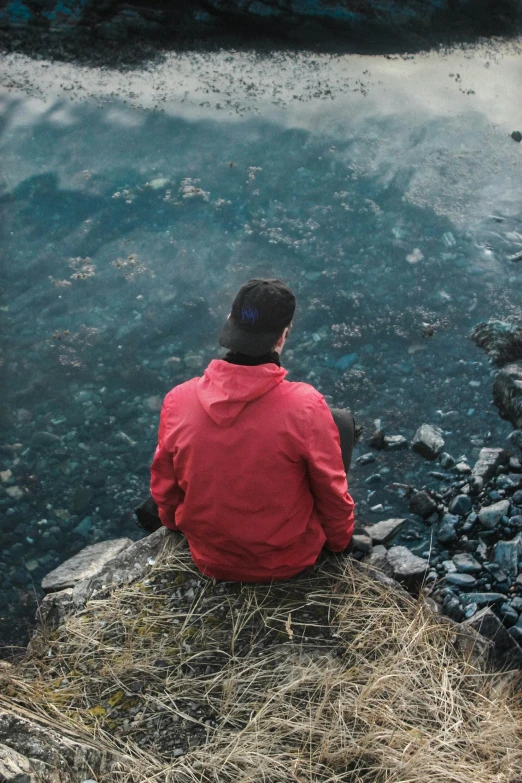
(488, 462)
(490, 516)
(375, 480)
(395, 442)
(508, 614)
(422, 504)
(516, 630)
(446, 532)
(502, 341)
(506, 652)
(516, 136)
(365, 459)
(362, 543)
(376, 441)
(466, 563)
(87, 563)
(428, 441)
(346, 361)
(381, 532)
(81, 499)
(15, 768)
(514, 463)
(463, 581)
(54, 609)
(483, 599)
(517, 497)
(507, 393)
(446, 460)
(48, 755)
(378, 558)
(506, 555)
(452, 608)
(515, 439)
(407, 568)
(460, 505)
(463, 468)
(130, 564)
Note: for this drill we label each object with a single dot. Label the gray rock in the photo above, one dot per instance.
(54, 609)
(463, 581)
(15, 768)
(502, 341)
(490, 516)
(460, 505)
(507, 393)
(407, 568)
(452, 608)
(446, 460)
(422, 504)
(508, 614)
(428, 441)
(362, 543)
(483, 599)
(516, 630)
(506, 555)
(488, 462)
(378, 559)
(130, 564)
(48, 755)
(88, 562)
(506, 652)
(466, 563)
(446, 532)
(381, 532)
(395, 442)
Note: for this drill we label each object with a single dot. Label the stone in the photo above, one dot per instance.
(407, 568)
(507, 393)
(483, 599)
(395, 442)
(490, 516)
(466, 563)
(446, 460)
(460, 505)
(517, 497)
(506, 555)
(452, 608)
(54, 609)
(463, 468)
(508, 614)
(87, 563)
(376, 441)
(130, 564)
(501, 340)
(428, 441)
(516, 136)
(15, 768)
(505, 652)
(362, 543)
(365, 459)
(47, 755)
(446, 532)
(516, 630)
(488, 462)
(383, 531)
(463, 581)
(422, 504)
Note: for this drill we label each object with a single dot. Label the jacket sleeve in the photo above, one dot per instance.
(327, 478)
(164, 486)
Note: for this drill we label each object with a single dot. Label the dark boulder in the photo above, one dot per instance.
(507, 393)
(501, 340)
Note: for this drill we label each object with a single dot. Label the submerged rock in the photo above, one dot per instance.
(501, 340)
(507, 393)
(428, 441)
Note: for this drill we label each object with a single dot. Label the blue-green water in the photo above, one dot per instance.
(123, 244)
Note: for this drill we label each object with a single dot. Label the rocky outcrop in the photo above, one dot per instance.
(86, 564)
(30, 753)
(501, 340)
(507, 393)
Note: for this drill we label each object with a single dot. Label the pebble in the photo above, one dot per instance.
(466, 563)
(464, 581)
(460, 505)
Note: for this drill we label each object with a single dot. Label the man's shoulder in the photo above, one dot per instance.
(304, 392)
(180, 390)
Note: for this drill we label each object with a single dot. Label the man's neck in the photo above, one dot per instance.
(233, 357)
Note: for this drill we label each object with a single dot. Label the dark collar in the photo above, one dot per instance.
(233, 357)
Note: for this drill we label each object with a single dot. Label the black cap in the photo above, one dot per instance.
(260, 312)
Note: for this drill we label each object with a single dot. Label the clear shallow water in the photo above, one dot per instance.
(126, 233)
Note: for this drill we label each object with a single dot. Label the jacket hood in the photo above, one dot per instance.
(225, 389)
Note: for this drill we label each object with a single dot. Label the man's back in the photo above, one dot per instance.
(249, 468)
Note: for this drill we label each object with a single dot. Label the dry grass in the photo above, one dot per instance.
(329, 677)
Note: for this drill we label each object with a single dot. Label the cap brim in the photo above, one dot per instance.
(245, 342)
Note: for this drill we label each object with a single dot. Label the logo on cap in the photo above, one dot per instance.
(249, 315)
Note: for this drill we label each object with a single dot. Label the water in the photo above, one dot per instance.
(384, 191)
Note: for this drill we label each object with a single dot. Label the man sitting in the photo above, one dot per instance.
(249, 466)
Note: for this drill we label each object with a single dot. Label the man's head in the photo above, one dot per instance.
(260, 313)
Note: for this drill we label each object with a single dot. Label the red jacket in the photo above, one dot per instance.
(248, 466)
